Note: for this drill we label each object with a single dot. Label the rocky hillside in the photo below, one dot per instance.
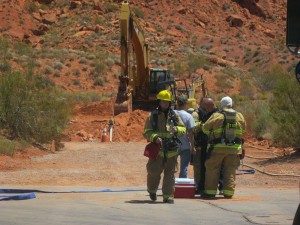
(76, 42)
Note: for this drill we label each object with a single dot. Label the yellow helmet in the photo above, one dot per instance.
(164, 95)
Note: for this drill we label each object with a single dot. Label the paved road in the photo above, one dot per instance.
(250, 206)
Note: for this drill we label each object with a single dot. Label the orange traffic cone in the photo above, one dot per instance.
(105, 137)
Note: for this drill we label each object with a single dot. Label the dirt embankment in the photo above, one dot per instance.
(89, 121)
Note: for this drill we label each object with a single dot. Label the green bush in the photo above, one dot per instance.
(178, 69)
(285, 111)
(31, 6)
(4, 53)
(138, 12)
(7, 147)
(31, 111)
(111, 7)
(263, 123)
(99, 81)
(196, 61)
(99, 67)
(267, 81)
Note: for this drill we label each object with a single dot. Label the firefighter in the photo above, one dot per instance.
(163, 126)
(206, 109)
(225, 129)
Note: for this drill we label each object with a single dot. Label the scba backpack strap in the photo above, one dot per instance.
(229, 127)
(172, 115)
(155, 119)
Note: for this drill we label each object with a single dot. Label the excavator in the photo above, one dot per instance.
(139, 84)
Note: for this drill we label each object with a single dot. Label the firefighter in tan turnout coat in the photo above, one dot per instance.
(162, 127)
(225, 130)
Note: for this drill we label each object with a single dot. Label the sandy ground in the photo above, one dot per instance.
(123, 165)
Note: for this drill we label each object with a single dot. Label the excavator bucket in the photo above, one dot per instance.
(123, 106)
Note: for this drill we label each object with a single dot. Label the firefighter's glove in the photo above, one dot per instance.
(174, 129)
(158, 140)
(197, 128)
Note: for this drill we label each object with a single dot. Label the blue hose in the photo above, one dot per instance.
(240, 172)
(22, 194)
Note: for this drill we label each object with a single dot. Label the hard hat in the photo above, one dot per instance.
(226, 102)
(164, 95)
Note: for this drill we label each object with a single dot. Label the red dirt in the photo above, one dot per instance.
(210, 28)
(121, 163)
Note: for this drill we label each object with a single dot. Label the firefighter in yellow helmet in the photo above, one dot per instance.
(163, 126)
(225, 130)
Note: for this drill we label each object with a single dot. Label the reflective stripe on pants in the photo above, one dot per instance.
(213, 168)
(155, 167)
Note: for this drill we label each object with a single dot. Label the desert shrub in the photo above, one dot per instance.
(178, 69)
(5, 66)
(83, 60)
(58, 65)
(31, 6)
(99, 66)
(37, 63)
(268, 80)
(4, 52)
(196, 61)
(246, 88)
(263, 123)
(138, 12)
(56, 73)
(99, 81)
(110, 62)
(31, 111)
(76, 72)
(99, 20)
(48, 70)
(110, 7)
(45, 82)
(7, 147)
(91, 56)
(285, 111)
(222, 81)
(76, 82)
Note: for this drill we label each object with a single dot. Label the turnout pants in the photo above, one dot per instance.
(197, 166)
(213, 168)
(155, 167)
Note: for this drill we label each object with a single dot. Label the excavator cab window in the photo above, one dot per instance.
(156, 77)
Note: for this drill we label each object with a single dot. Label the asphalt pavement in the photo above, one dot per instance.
(133, 206)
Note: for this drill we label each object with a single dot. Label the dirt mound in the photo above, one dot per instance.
(130, 126)
(88, 122)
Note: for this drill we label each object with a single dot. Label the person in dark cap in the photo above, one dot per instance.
(186, 148)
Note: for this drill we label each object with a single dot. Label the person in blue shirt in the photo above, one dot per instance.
(186, 148)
